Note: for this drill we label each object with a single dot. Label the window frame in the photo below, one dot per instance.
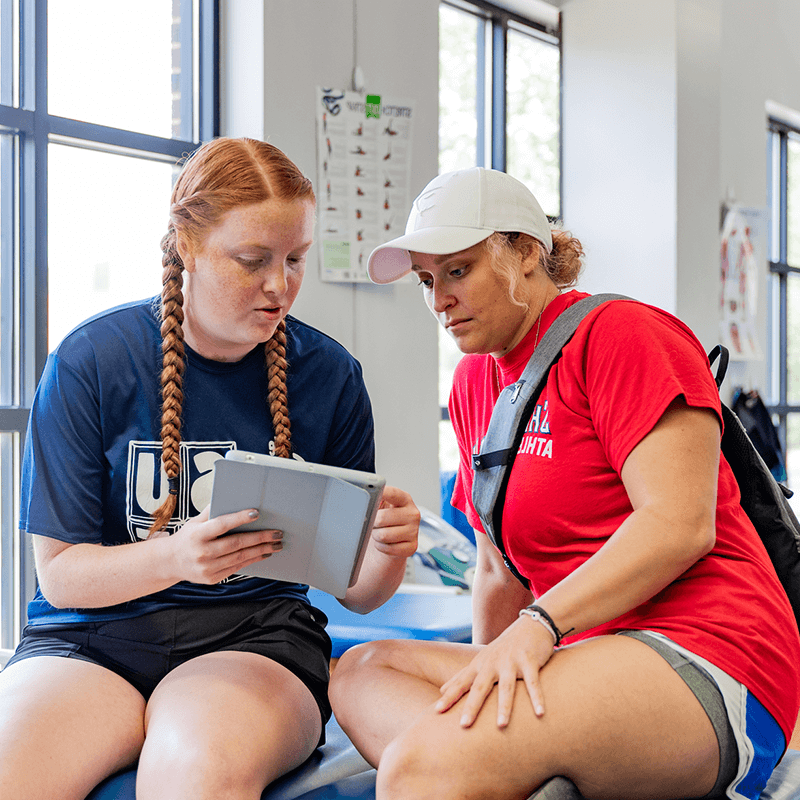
(495, 22)
(491, 80)
(27, 129)
(779, 135)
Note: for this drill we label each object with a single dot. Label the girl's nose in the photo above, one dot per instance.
(274, 281)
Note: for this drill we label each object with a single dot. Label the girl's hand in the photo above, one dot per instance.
(203, 553)
(396, 525)
(518, 653)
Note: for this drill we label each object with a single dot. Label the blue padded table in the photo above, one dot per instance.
(333, 771)
(427, 616)
(337, 772)
(784, 784)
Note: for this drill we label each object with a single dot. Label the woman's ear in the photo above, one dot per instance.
(185, 252)
(529, 251)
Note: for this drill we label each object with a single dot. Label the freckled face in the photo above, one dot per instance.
(471, 301)
(245, 277)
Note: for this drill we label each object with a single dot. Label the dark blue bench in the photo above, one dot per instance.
(337, 772)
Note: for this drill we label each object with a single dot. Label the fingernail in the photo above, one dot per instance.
(464, 722)
(253, 514)
(539, 711)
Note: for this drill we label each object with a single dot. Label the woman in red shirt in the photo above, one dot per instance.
(654, 654)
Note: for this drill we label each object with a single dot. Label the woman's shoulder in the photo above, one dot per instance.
(621, 325)
(130, 323)
(305, 340)
(639, 343)
(629, 310)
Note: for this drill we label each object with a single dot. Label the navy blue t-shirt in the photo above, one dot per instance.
(92, 465)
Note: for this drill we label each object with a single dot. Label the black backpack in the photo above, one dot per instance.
(763, 498)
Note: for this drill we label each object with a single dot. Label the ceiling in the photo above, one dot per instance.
(542, 10)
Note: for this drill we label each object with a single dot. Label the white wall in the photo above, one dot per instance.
(664, 115)
(275, 54)
(619, 118)
(760, 63)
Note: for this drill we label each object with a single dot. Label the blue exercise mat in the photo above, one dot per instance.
(335, 770)
(427, 616)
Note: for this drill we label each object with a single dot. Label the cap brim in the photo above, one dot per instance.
(392, 260)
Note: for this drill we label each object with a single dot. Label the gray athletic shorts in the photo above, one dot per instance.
(707, 692)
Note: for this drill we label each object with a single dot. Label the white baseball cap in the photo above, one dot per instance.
(457, 210)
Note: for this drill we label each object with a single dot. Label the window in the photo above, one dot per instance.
(499, 107)
(783, 362)
(97, 106)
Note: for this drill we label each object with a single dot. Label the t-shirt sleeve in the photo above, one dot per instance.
(63, 463)
(626, 382)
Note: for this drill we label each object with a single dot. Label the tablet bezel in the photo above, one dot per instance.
(370, 482)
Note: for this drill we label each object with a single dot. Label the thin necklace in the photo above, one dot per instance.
(535, 345)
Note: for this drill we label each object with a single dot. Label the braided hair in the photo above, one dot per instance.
(221, 175)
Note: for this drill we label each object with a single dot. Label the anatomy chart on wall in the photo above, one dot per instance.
(364, 169)
(742, 254)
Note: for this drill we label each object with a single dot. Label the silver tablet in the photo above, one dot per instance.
(326, 515)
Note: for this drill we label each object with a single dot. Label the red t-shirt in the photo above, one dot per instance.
(626, 363)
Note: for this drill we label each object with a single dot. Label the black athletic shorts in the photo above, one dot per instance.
(144, 649)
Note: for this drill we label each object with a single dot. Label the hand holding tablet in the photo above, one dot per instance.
(326, 515)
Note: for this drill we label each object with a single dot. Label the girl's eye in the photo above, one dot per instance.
(457, 272)
(250, 263)
(426, 282)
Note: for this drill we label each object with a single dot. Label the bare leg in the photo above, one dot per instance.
(398, 677)
(65, 725)
(223, 726)
(619, 723)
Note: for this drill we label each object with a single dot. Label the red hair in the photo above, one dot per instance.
(221, 175)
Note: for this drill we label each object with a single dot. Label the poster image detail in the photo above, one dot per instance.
(742, 249)
(364, 170)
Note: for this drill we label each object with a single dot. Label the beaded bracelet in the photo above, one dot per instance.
(546, 618)
(539, 618)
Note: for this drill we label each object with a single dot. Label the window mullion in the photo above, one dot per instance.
(783, 191)
(185, 65)
(7, 52)
(8, 312)
(208, 66)
(482, 111)
(499, 41)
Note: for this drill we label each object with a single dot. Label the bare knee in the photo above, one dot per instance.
(189, 770)
(359, 664)
(410, 768)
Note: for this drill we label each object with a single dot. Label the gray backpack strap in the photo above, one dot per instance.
(511, 413)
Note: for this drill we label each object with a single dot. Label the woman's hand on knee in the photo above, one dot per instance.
(517, 654)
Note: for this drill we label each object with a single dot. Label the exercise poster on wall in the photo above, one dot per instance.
(742, 254)
(364, 171)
